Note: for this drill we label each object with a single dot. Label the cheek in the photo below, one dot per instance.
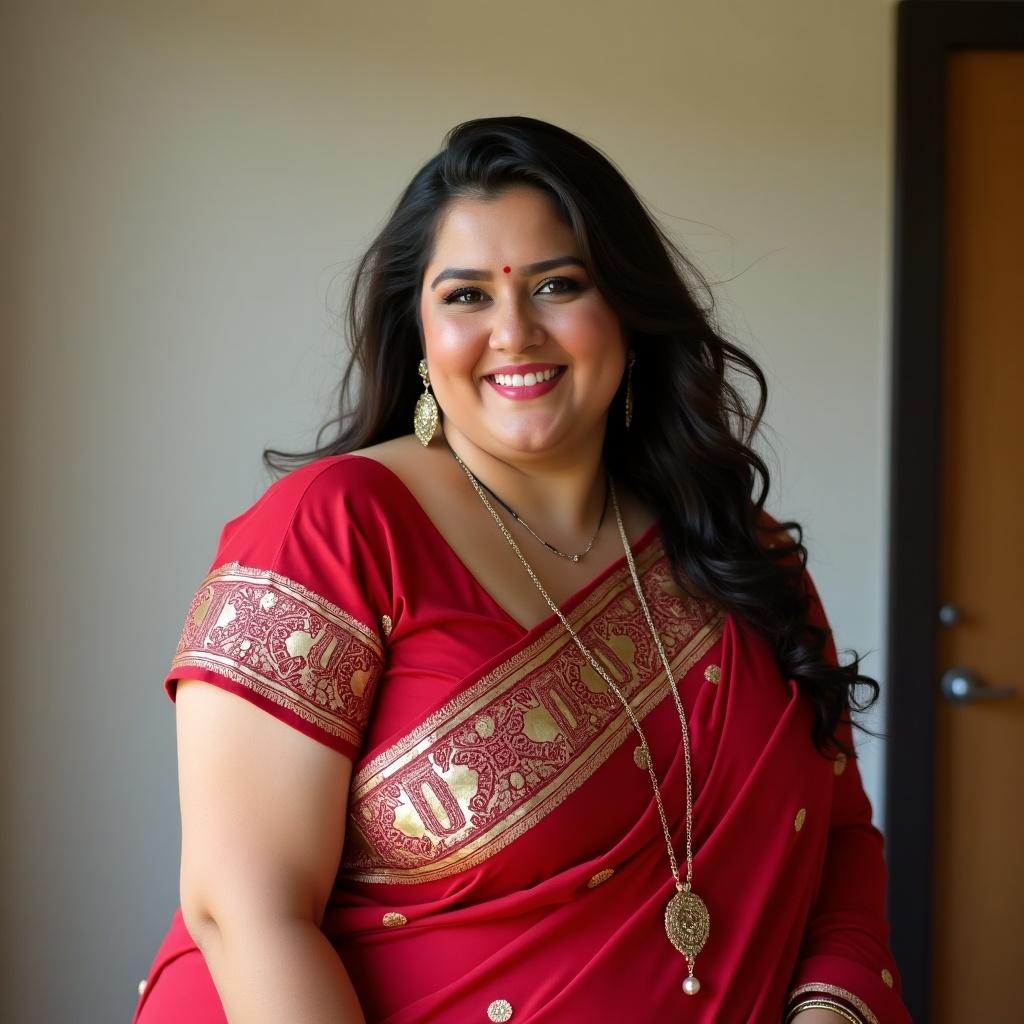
(591, 332)
(453, 344)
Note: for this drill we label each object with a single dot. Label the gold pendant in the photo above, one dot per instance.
(688, 923)
(425, 418)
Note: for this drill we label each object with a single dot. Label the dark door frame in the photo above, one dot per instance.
(926, 34)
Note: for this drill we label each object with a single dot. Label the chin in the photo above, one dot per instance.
(531, 441)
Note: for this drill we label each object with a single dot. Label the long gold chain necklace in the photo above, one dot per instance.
(687, 921)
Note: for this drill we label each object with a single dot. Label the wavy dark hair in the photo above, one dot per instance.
(688, 454)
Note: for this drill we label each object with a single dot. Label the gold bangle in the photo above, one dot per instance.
(823, 990)
(823, 1004)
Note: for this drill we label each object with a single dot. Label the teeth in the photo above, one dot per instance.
(520, 380)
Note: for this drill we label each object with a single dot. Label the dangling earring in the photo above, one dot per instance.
(631, 359)
(425, 418)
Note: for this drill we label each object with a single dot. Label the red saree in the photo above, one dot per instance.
(503, 856)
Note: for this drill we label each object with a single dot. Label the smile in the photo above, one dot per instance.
(525, 380)
(526, 385)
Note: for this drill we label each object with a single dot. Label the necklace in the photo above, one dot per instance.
(687, 922)
(522, 522)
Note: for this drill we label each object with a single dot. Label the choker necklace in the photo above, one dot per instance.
(687, 922)
(522, 522)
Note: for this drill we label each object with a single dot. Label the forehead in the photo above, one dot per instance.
(519, 220)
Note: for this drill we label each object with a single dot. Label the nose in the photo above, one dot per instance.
(515, 327)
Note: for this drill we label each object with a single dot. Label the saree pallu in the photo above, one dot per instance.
(504, 857)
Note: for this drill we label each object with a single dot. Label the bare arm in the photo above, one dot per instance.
(263, 823)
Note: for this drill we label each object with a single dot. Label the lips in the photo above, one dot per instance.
(517, 385)
(525, 377)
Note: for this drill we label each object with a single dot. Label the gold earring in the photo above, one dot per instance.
(425, 418)
(631, 359)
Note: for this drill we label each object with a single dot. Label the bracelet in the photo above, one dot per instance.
(823, 1004)
(850, 1003)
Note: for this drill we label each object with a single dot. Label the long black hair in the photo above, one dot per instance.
(687, 454)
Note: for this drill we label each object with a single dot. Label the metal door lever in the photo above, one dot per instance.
(961, 685)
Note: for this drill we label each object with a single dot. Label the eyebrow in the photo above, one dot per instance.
(468, 274)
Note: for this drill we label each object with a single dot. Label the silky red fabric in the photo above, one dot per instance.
(560, 909)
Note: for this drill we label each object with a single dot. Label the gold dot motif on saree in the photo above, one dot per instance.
(713, 673)
(801, 817)
(385, 624)
(640, 757)
(499, 1010)
(516, 780)
(887, 976)
(600, 878)
(394, 920)
(839, 764)
(484, 726)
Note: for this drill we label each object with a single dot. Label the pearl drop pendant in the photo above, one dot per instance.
(691, 986)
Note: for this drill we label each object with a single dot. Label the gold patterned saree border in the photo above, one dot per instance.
(465, 704)
(286, 643)
(518, 736)
(824, 988)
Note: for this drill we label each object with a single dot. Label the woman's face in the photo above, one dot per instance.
(506, 293)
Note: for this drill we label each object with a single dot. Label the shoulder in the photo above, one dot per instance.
(321, 524)
(785, 539)
(328, 493)
(772, 533)
(338, 477)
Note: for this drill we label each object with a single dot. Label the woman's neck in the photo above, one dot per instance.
(560, 496)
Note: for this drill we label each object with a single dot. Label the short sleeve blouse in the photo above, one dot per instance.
(292, 612)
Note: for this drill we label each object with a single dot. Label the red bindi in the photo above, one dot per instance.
(508, 270)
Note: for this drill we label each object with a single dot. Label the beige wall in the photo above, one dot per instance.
(187, 181)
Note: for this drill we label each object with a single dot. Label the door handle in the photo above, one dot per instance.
(961, 685)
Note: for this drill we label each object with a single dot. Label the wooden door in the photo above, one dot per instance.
(978, 795)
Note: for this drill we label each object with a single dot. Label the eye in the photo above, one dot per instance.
(453, 298)
(568, 282)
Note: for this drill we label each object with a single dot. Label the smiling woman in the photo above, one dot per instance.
(486, 344)
(532, 714)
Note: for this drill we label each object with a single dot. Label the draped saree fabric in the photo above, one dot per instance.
(504, 859)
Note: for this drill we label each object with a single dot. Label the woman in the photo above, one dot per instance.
(540, 719)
